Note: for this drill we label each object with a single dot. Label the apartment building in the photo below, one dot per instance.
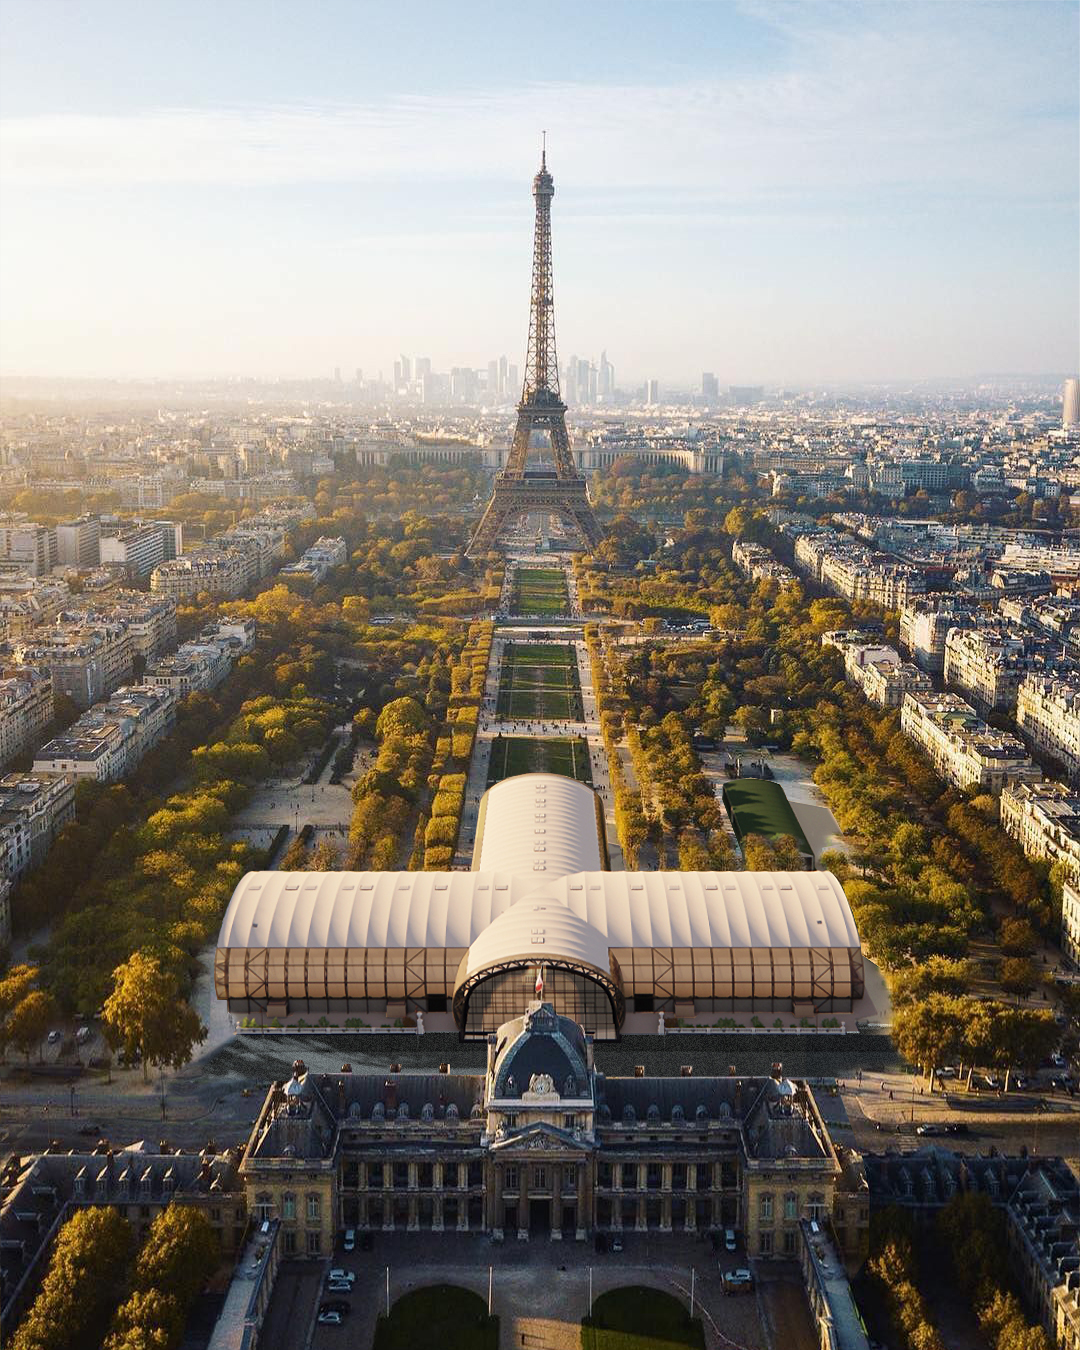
(925, 623)
(988, 664)
(1044, 819)
(962, 748)
(108, 742)
(227, 572)
(849, 569)
(758, 563)
(78, 542)
(136, 548)
(33, 808)
(1048, 717)
(26, 709)
(317, 561)
(886, 680)
(1042, 1219)
(86, 662)
(28, 602)
(1070, 924)
(193, 666)
(30, 545)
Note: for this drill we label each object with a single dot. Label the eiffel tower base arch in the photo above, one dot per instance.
(516, 496)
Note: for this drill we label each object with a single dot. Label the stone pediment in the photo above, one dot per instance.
(532, 1139)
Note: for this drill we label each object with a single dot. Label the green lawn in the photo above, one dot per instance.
(540, 590)
(438, 1317)
(511, 755)
(640, 1319)
(539, 680)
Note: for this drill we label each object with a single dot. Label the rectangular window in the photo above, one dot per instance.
(568, 1122)
(765, 1243)
(790, 1237)
(765, 1208)
(540, 1178)
(314, 1242)
(791, 1207)
(314, 1209)
(511, 1179)
(290, 1242)
(288, 1207)
(629, 1176)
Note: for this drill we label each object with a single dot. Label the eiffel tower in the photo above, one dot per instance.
(519, 490)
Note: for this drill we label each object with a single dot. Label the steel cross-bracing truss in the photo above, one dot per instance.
(520, 491)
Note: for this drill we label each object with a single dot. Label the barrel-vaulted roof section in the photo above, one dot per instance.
(538, 929)
(452, 909)
(539, 816)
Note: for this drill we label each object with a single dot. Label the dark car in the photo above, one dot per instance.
(957, 1127)
(1063, 1083)
(335, 1305)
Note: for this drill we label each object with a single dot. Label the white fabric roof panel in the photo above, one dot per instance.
(568, 830)
(452, 909)
(539, 928)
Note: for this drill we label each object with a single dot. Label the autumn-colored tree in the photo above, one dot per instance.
(28, 1022)
(145, 1013)
(82, 1286)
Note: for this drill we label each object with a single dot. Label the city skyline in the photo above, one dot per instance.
(784, 195)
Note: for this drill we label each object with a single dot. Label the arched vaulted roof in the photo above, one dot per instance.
(452, 909)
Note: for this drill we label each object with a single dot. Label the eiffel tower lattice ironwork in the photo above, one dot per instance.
(519, 490)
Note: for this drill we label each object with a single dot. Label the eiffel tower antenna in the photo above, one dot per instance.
(518, 489)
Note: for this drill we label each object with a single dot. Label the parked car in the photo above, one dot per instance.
(340, 1273)
(350, 1240)
(729, 1239)
(1020, 1082)
(947, 1071)
(335, 1305)
(957, 1127)
(928, 1127)
(338, 1287)
(55, 1037)
(739, 1281)
(1064, 1082)
(1058, 1060)
(330, 1319)
(616, 1244)
(82, 1035)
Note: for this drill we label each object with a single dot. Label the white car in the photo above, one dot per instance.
(55, 1037)
(350, 1240)
(339, 1286)
(339, 1274)
(330, 1319)
(729, 1239)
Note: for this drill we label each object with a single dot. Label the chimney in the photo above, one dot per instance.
(686, 1070)
(639, 1070)
(731, 1070)
(777, 1072)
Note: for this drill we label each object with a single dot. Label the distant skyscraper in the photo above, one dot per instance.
(1070, 404)
(406, 370)
(423, 366)
(652, 391)
(503, 381)
(492, 381)
(397, 375)
(606, 381)
(710, 386)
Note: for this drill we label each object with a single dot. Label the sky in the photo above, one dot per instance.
(784, 192)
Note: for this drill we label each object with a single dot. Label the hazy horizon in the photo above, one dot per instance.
(782, 194)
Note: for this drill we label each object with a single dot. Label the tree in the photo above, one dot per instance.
(179, 1255)
(1018, 976)
(937, 974)
(929, 1033)
(1017, 938)
(28, 1022)
(82, 1285)
(145, 1013)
